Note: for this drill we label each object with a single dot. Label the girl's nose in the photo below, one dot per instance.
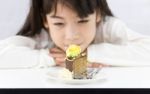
(71, 33)
(72, 36)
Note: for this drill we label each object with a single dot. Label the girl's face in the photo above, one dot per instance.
(66, 28)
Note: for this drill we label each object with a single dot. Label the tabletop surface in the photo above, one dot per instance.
(116, 77)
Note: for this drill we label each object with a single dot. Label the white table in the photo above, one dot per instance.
(117, 77)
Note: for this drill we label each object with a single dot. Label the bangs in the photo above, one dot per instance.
(82, 7)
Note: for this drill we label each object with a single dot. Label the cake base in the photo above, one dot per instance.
(78, 67)
(69, 65)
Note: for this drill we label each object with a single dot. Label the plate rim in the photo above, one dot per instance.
(53, 76)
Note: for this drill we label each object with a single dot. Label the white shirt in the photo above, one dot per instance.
(115, 44)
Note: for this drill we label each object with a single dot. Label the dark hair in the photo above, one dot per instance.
(39, 9)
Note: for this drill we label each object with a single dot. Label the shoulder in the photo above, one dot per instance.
(111, 25)
(113, 21)
(114, 26)
(113, 30)
(18, 41)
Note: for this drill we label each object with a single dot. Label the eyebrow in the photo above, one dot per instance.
(58, 17)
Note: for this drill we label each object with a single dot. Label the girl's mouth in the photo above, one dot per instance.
(66, 46)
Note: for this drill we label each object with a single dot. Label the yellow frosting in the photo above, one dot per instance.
(73, 51)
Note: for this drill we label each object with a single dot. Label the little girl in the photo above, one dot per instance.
(53, 25)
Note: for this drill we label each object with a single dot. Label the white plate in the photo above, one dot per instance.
(54, 76)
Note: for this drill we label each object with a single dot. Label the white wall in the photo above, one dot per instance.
(12, 16)
(135, 13)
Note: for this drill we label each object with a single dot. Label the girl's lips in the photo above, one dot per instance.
(66, 46)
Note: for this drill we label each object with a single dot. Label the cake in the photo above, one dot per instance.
(65, 74)
(76, 62)
(72, 52)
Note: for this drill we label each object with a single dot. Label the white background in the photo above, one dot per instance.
(135, 13)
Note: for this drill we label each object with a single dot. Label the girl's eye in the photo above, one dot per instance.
(59, 24)
(83, 21)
